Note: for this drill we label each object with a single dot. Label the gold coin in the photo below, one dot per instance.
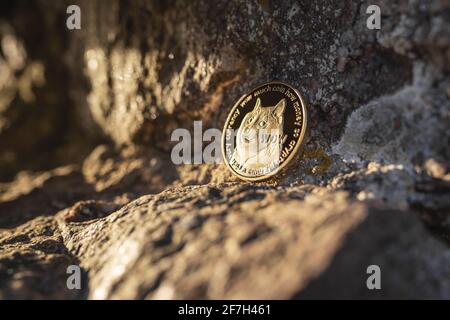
(264, 131)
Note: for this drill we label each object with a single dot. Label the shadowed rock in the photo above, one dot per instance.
(371, 186)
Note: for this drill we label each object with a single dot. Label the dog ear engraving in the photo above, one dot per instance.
(257, 107)
(278, 110)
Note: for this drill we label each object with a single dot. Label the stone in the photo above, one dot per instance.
(87, 179)
(319, 246)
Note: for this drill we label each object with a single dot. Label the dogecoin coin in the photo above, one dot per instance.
(264, 131)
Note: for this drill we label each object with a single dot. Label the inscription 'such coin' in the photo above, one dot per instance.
(264, 131)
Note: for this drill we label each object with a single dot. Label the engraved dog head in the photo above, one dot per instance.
(258, 140)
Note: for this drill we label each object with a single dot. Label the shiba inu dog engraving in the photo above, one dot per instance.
(264, 131)
(258, 140)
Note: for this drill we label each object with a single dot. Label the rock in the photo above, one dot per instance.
(115, 177)
(256, 242)
(435, 168)
(85, 124)
(88, 210)
(149, 73)
(33, 262)
(36, 114)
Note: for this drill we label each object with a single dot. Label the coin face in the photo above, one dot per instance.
(264, 131)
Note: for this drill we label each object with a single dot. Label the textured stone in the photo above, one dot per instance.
(37, 127)
(234, 241)
(33, 262)
(371, 186)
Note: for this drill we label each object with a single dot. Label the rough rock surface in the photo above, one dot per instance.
(372, 186)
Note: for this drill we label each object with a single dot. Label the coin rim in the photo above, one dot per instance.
(293, 153)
